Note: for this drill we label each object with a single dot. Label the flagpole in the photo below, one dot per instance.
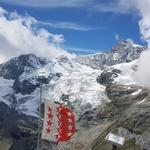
(38, 140)
(55, 147)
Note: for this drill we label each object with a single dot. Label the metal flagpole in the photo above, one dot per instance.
(114, 147)
(39, 120)
(60, 146)
(56, 145)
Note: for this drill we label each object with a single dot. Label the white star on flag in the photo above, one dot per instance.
(69, 134)
(69, 120)
(69, 114)
(70, 127)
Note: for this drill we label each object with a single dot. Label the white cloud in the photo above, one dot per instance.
(113, 7)
(19, 35)
(116, 6)
(55, 38)
(142, 8)
(2, 11)
(142, 76)
(117, 37)
(84, 50)
(51, 3)
(69, 25)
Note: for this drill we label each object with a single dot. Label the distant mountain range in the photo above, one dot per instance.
(124, 51)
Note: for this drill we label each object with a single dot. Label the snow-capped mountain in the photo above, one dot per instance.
(16, 66)
(66, 80)
(124, 51)
(90, 85)
(73, 84)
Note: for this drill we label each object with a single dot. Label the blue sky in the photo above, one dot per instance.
(88, 26)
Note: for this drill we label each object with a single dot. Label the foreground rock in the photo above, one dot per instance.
(19, 130)
(129, 115)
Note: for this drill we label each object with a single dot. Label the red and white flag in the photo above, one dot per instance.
(59, 123)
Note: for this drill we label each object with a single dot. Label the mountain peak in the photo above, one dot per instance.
(123, 51)
(16, 66)
(127, 45)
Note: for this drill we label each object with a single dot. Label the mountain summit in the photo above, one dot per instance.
(124, 51)
(16, 66)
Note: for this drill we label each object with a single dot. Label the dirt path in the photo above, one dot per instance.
(5, 144)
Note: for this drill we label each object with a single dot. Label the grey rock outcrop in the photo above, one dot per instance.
(107, 76)
(16, 66)
(124, 51)
(129, 110)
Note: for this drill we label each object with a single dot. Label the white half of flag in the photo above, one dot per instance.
(59, 123)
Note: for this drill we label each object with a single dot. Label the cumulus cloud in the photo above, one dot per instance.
(140, 8)
(2, 11)
(142, 76)
(143, 8)
(117, 37)
(20, 35)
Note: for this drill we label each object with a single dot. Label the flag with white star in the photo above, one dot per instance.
(59, 123)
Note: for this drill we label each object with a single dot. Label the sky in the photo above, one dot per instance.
(87, 25)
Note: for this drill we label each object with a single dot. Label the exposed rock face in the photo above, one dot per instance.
(19, 129)
(28, 85)
(24, 87)
(124, 51)
(16, 66)
(107, 76)
(128, 110)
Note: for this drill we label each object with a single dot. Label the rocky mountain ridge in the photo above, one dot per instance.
(122, 52)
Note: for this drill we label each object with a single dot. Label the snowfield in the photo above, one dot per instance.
(78, 84)
(127, 73)
(5, 89)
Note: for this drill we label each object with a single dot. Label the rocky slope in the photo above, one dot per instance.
(18, 65)
(128, 115)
